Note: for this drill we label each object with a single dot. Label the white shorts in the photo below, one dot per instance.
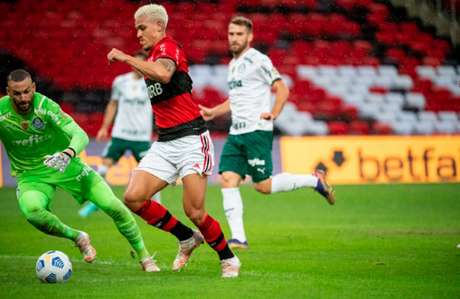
(170, 160)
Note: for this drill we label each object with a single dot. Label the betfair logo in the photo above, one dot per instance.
(382, 159)
(419, 166)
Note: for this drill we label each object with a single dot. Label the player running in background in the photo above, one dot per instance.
(42, 143)
(130, 107)
(184, 148)
(248, 149)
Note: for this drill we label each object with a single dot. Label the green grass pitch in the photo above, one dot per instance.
(379, 241)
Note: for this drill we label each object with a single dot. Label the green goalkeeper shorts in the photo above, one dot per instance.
(77, 179)
(248, 154)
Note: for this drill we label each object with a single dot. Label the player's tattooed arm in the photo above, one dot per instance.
(162, 69)
(168, 64)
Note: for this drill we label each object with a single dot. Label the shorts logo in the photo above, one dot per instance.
(38, 124)
(256, 162)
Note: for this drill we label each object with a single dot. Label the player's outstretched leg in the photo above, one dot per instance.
(103, 197)
(34, 206)
(157, 215)
(287, 182)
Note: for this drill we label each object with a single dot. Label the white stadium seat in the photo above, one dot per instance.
(367, 70)
(426, 71)
(446, 126)
(424, 127)
(403, 127)
(447, 115)
(306, 72)
(415, 100)
(387, 70)
(347, 71)
(448, 70)
(394, 97)
(427, 116)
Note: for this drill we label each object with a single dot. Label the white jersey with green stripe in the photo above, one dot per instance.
(134, 115)
(250, 78)
(29, 138)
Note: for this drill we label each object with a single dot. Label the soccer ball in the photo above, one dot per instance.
(53, 266)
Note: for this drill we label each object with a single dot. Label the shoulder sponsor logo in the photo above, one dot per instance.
(54, 116)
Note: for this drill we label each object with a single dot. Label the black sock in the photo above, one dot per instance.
(225, 253)
(181, 231)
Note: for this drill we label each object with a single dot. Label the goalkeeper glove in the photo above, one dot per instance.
(59, 161)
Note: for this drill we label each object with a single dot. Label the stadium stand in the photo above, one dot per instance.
(353, 66)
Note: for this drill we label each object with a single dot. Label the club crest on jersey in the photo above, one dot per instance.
(25, 125)
(241, 68)
(38, 124)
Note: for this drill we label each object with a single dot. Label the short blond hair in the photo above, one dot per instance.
(242, 21)
(155, 12)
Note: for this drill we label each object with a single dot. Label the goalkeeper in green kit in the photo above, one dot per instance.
(42, 143)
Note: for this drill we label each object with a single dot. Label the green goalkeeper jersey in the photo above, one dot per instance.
(45, 130)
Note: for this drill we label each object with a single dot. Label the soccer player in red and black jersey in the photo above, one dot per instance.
(184, 148)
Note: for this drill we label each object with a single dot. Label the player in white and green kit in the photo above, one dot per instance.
(248, 150)
(42, 143)
(132, 130)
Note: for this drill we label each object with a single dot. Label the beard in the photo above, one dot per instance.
(23, 106)
(237, 50)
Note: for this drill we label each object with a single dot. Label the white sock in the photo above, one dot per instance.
(287, 182)
(233, 207)
(102, 170)
(157, 197)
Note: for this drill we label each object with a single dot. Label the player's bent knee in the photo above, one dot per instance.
(32, 203)
(196, 216)
(263, 187)
(34, 214)
(229, 180)
(133, 200)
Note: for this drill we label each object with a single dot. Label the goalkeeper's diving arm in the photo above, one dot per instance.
(78, 138)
